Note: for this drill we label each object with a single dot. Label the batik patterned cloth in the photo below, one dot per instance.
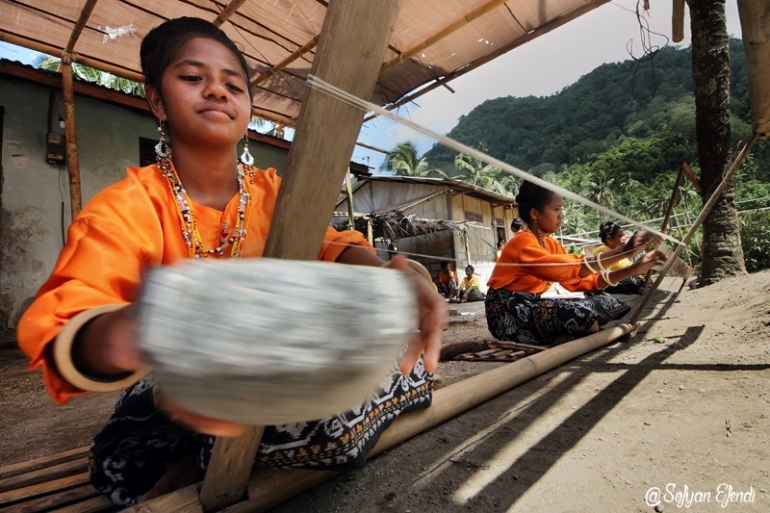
(140, 442)
(530, 319)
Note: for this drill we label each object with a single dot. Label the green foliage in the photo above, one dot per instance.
(403, 161)
(88, 74)
(755, 239)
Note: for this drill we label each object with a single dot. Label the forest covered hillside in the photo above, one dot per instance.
(632, 106)
(618, 136)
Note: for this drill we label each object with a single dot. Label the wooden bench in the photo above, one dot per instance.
(53, 483)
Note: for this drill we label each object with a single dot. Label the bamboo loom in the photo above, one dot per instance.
(269, 487)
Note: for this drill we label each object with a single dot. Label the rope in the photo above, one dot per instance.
(349, 99)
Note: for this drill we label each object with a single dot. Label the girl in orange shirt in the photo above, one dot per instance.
(531, 261)
(195, 203)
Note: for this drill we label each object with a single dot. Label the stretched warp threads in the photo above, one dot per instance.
(354, 101)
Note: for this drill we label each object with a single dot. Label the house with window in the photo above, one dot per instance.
(113, 131)
(428, 219)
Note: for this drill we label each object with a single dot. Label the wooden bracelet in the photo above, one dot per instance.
(598, 261)
(62, 356)
(589, 267)
(606, 276)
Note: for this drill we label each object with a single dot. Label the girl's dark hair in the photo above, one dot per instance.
(517, 224)
(532, 196)
(471, 268)
(161, 44)
(607, 230)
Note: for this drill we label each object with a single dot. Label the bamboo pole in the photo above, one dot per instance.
(296, 54)
(227, 12)
(701, 217)
(669, 210)
(73, 163)
(320, 155)
(756, 43)
(677, 21)
(529, 36)
(270, 487)
(446, 31)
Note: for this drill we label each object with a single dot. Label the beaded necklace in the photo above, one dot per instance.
(539, 236)
(189, 226)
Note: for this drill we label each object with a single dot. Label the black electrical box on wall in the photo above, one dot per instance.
(54, 148)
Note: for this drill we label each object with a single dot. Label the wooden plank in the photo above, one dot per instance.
(55, 501)
(44, 474)
(46, 487)
(229, 469)
(45, 461)
(92, 505)
(348, 58)
(184, 500)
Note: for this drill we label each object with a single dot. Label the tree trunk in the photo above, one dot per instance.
(722, 253)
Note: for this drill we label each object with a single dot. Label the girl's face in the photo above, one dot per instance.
(616, 240)
(204, 95)
(550, 218)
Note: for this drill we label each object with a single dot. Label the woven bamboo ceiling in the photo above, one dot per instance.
(434, 41)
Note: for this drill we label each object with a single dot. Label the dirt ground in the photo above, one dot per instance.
(673, 417)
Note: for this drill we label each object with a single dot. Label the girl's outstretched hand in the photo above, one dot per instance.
(640, 240)
(649, 261)
(432, 312)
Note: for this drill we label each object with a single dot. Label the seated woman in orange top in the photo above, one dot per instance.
(197, 202)
(531, 261)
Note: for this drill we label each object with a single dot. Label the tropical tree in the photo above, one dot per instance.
(474, 171)
(403, 161)
(722, 253)
(89, 74)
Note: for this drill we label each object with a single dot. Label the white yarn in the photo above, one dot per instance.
(345, 97)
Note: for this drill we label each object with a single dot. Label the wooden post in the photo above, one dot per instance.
(73, 164)
(677, 21)
(350, 59)
(669, 210)
(694, 228)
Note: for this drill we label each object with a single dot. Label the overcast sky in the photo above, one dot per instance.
(539, 68)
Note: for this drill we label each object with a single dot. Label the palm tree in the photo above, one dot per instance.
(474, 171)
(600, 188)
(403, 161)
(722, 251)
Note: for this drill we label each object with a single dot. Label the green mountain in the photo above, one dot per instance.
(635, 118)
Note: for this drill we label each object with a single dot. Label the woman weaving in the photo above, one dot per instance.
(196, 202)
(531, 261)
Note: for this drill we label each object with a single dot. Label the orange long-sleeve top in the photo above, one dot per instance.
(125, 228)
(525, 266)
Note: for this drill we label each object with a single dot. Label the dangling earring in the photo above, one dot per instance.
(162, 149)
(539, 234)
(246, 158)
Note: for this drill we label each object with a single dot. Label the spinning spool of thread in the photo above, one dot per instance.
(269, 341)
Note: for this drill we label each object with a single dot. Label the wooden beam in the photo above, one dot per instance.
(73, 164)
(677, 21)
(441, 34)
(542, 30)
(323, 143)
(690, 174)
(55, 50)
(755, 29)
(85, 14)
(227, 12)
(729, 175)
(299, 52)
